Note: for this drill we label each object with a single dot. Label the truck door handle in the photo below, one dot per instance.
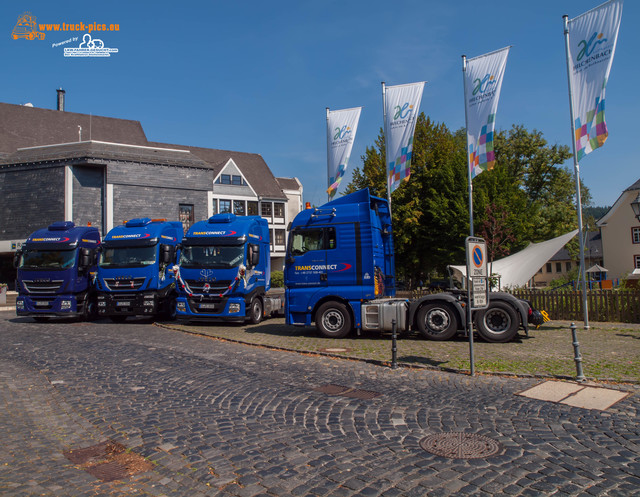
(323, 277)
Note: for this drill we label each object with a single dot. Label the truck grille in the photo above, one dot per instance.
(128, 284)
(207, 305)
(42, 287)
(215, 287)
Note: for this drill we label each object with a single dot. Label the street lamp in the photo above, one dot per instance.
(635, 205)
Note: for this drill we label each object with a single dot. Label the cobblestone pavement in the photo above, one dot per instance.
(219, 418)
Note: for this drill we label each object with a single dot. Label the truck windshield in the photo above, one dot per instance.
(128, 256)
(216, 257)
(47, 259)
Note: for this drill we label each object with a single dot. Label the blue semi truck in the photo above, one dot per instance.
(224, 272)
(340, 274)
(55, 271)
(135, 276)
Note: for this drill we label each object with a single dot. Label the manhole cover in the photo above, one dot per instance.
(456, 445)
(108, 461)
(331, 389)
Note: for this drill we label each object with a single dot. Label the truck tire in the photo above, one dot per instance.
(498, 323)
(437, 321)
(333, 320)
(170, 310)
(255, 311)
(89, 309)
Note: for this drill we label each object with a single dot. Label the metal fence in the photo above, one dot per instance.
(622, 306)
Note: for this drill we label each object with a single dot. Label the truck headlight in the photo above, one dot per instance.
(65, 304)
(234, 308)
(182, 307)
(20, 305)
(102, 303)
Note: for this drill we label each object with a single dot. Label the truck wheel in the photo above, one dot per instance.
(118, 318)
(89, 310)
(437, 321)
(498, 324)
(170, 310)
(333, 320)
(255, 311)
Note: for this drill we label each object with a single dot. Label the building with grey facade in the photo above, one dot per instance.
(57, 165)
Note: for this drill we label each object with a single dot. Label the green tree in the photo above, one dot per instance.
(430, 212)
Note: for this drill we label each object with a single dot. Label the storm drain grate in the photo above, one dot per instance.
(456, 445)
(352, 393)
(108, 461)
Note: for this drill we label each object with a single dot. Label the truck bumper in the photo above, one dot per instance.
(128, 304)
(227, 308)
(47, 306)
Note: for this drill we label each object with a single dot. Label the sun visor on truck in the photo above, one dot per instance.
(214, 240)
(128, 241)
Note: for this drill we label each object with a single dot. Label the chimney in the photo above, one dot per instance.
(60, 99)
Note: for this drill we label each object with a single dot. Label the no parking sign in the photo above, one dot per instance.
(477, 272)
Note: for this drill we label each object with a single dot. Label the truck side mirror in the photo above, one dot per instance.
(254, 253)
(16, 258)
(85, 258)
(167, 253)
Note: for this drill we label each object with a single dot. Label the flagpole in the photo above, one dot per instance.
(576, 169)
(328, 158)
(386, 145)
(466, 134)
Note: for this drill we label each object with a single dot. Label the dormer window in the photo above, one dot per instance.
(231, 179)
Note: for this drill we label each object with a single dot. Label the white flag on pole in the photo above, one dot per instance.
(402, 105)
(483, 82)
(592, 44)
(341, 133)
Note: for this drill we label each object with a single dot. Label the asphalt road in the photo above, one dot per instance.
(219, 418)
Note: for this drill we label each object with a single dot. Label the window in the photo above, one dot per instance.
(279, 237)
(635, 235)
(225, 206)
(214, 207)
(636, 261)
(306, 240)
(238, 207)
(185, 215)
(229, 179)
(278, 210)
(548, 267)
(558, 267)
(252, 208)
(568, 266)
(266, 209)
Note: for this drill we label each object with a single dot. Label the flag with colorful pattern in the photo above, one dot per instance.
(483, 82)
(401, 108)
(341, 133)
(592, 44)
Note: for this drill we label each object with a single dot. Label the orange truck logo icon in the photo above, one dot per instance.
(26, 28)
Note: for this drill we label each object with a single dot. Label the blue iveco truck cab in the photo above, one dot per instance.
(55, 268)
(135, 276)
(225, 270)
(340, 274)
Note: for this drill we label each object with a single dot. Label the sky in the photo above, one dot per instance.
(257, 76)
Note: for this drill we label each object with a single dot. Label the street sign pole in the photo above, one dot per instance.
(477, 286)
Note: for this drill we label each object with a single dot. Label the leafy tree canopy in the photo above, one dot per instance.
(525, 198)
